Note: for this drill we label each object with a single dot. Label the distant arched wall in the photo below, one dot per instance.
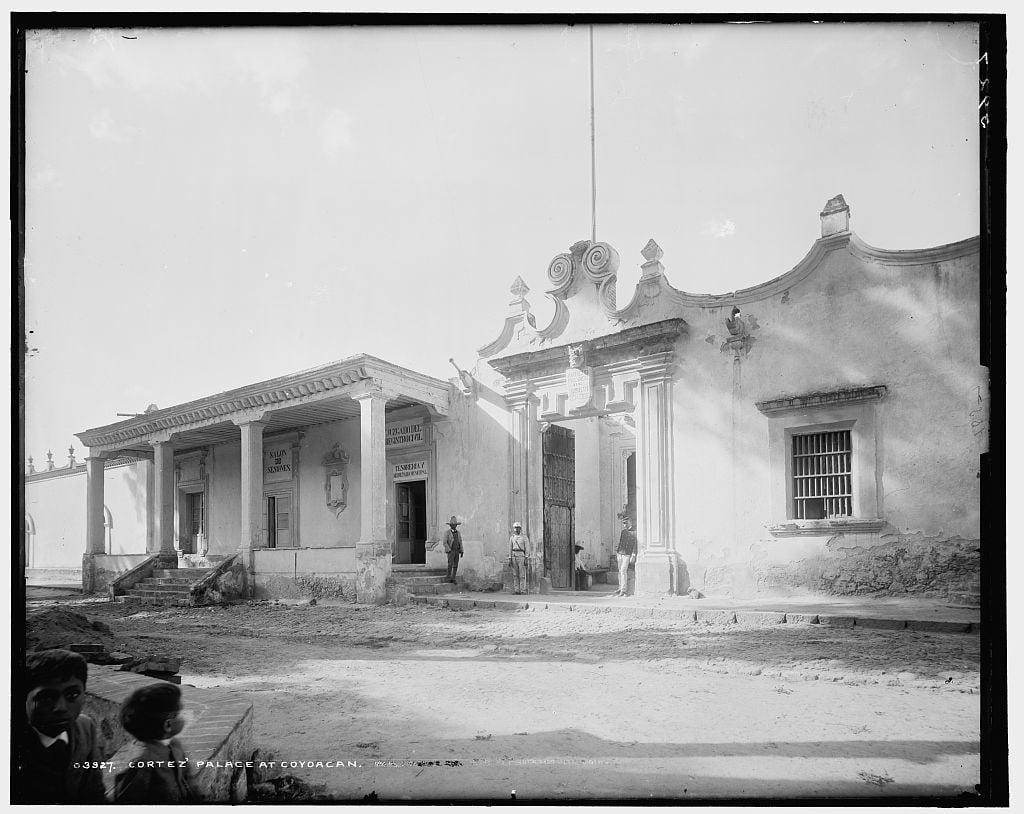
(108, 525)
(30, 540)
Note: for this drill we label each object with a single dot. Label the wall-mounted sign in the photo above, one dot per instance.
(277, 462)
(410, 470)
(403, 435)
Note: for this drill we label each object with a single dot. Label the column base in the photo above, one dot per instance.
(373, 567)
(661, 572)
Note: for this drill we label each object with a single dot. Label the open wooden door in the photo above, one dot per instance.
(559, 504)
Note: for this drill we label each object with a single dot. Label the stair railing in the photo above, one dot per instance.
(200, 587)
(120, 584)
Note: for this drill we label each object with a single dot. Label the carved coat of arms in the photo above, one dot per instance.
(335, 464)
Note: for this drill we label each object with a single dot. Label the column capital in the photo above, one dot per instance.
(164, 437)
(371, 392)
(251, 417)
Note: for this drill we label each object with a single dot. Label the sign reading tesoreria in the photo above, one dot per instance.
(410, 470)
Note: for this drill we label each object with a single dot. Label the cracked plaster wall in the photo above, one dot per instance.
(852, 322)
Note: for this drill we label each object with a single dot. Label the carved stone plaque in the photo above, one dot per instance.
(580, 387)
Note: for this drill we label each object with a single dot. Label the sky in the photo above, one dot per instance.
(210, 208)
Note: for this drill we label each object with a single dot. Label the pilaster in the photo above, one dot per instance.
(526, 499)
(659, 568)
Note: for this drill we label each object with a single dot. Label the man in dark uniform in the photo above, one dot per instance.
(625, 552)
(453, 547)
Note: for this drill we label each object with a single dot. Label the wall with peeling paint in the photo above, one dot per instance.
(318, 524)
(854, 321)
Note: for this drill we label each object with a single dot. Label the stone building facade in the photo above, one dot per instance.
(818, 432)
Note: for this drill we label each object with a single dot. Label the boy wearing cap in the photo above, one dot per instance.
(453, 547)
(518, 551)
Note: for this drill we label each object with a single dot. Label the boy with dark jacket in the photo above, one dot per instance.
(57, 751)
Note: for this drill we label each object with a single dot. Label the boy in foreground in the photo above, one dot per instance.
(57, 750)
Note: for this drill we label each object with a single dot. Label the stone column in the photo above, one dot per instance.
(658, 568)
(163, 502)
(526, 499)
(373, 550)
(94, 532)
(252, 488)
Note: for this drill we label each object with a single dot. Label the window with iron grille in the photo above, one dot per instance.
(822, 476)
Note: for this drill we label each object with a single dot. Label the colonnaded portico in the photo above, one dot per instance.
(183, 444)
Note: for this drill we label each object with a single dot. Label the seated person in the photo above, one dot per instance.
(580, 568)
(57, 749)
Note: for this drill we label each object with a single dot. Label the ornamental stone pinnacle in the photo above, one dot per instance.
(652, 251)
(519, 289)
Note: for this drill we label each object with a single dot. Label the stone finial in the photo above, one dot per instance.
(652, 251)
(71, 457)
(519, 289)
(835, 217)
(31, 466)
(652, 255)
(49, 460)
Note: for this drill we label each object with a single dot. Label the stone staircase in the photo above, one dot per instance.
(169, 586)
(419, 580)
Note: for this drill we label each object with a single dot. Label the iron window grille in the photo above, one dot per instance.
(822, 475)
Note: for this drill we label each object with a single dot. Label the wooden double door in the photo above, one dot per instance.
(559, 475)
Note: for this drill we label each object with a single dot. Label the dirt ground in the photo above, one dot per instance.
(427, 703)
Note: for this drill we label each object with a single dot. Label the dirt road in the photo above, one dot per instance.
(426, 703)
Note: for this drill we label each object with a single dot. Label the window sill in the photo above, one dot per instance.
(808, 528)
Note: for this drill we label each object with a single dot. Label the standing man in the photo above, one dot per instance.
(625, 551)
(518, 551)
(453, 547)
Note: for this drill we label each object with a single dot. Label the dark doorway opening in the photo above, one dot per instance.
(411, 522)
(559, 474)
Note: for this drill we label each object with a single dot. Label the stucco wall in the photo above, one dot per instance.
(588, 488)
(316, 573)
(57, 506)
(850, 323)
(318, 525)
(224, 520)
(472, 482)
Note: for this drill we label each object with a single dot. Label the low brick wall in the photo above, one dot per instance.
(221, 732)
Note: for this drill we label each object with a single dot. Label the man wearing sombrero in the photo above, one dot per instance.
(452, 547)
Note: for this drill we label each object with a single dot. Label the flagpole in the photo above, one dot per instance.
(593, 147)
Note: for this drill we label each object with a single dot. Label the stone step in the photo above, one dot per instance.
(171, 580)
(162, 597)
(176, 588)
(417, 571)
(403, 579)
(190, 573)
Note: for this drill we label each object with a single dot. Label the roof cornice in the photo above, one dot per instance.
(335, 379)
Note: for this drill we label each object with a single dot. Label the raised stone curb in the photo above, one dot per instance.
(837, 621)
(939, 627)
(760, 618)
(709, 615)
(715, 616)
(881, 624)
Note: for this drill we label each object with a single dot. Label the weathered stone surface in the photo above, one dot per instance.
(938, 627)
(802, 618)
(714, 616)
(881, 624)
(760, 618)
(829, 620)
